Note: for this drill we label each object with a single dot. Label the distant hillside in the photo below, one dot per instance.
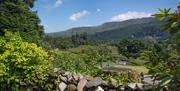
(135, 28)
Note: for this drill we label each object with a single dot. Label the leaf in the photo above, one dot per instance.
(165, 81)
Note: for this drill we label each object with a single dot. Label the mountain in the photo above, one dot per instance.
(134, 28)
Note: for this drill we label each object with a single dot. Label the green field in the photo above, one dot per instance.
(139, 69)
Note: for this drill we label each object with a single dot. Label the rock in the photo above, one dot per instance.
(122, 88)
(111, 90)
(67, 74)
(61, 72)
(70, 79)
(80, 76)
(75, 77)
(62, 86)
(104, 83)
(148, 80)
(99, 89)
(81, 84)
(132, 85)
(64, 79)
(95, 82)
(71, 87)
(113, 82)
(139, 85)
(89, 78)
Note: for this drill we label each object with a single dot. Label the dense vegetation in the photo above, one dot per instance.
(21, 62)
(89, 60)
(17, 16)
(27, 59)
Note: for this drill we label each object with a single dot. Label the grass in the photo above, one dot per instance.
(139, 69)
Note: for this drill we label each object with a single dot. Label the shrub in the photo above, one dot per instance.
(21, 62)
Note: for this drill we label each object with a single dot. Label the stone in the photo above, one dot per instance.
(71, 87)
(64, 79)
(148, 80)
(61, 72)
(140, 85)
(104, 83)
(67, 74)
(70, 79)
(80, 76)
(81, 84)
(89, 78)
(75, 77)
(132, 85)
(62, 86)
(95, 82)
(111, 90)
(122, 88)
(99, 88)
(113, 82)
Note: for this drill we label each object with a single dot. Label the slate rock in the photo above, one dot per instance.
(95, 82)
(81, 84)
(62, 86)
(71, 87)
(99, 88)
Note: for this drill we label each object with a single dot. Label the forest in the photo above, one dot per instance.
(134, 55)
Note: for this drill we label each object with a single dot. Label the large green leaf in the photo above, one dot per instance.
(165, 81)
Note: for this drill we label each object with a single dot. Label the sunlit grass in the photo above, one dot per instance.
(139, 69)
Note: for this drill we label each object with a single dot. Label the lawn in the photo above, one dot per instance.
(139, 69)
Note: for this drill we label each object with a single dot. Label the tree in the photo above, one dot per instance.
(16, 15)
(173, 22)
(21, 62)
(167, 66)
(80, 39)
(131, 48)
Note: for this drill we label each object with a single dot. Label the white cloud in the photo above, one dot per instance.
(78, 15)
(130, 15)
(57, 3)
(98, 10)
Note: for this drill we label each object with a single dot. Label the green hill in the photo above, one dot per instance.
(135, 28)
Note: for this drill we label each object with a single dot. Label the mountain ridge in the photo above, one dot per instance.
(116, 30)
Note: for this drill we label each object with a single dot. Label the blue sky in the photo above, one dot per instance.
(59, 15)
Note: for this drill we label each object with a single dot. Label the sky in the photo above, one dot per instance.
(60, 15)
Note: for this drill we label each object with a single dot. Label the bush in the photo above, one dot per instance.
(21, 62)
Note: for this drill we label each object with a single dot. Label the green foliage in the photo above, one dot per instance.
(17, 16)
(131, 48)
(173, 24)
(162, 64)
(59, 42)
(88, 60)
(97, 54)
(166, 67)
(21, 62)
(66, 42)
(79, 39)
(87, 56)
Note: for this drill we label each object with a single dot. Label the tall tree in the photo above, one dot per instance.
(17, 16)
